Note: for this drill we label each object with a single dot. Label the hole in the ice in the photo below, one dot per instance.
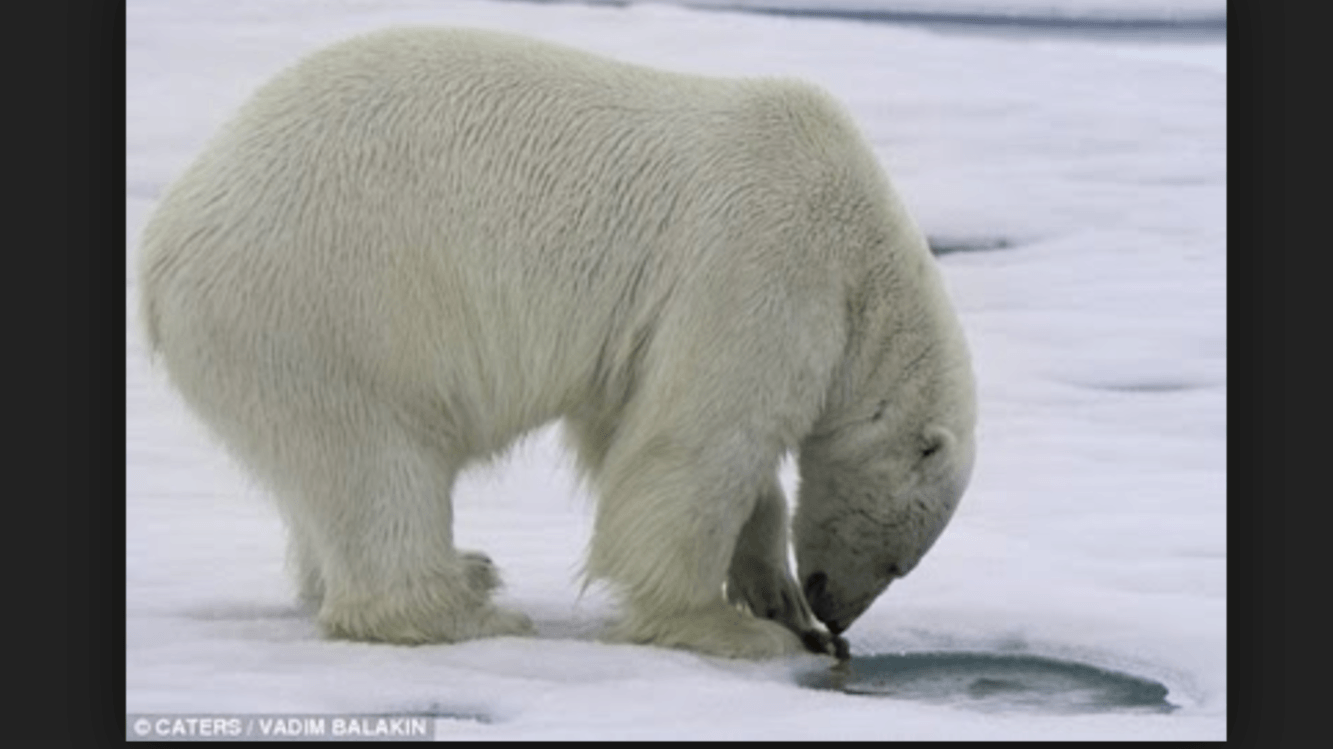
(947, 245)
(993, 682)
(1145, 387)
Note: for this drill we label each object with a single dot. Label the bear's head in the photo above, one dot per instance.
(881, 477)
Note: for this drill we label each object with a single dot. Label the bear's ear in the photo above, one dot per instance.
(935, 440)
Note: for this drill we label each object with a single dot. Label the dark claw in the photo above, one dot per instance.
(815, 641)
(842, 650)
(823, 643)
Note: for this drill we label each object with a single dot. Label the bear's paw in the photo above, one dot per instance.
(718, 629)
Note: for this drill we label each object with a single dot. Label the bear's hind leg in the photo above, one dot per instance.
(304, 565)
(369, 517)
(384, 539)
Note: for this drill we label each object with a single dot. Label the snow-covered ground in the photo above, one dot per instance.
(1042, 13)
(1095, 526)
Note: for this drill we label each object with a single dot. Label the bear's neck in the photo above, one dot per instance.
(900, 328)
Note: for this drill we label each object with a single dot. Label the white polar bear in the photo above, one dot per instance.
(414, 246)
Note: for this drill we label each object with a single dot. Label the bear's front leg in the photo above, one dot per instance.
(667, 526)
(760, 577)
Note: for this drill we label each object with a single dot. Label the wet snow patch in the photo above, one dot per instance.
(945, 245)
(1146, 386)
(443, 712)
(993, 682)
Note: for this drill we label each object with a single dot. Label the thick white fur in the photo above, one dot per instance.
(412, 247)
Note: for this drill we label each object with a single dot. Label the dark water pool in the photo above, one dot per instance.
(992, 681)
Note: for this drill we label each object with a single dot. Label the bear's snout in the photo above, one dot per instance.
(834, 605)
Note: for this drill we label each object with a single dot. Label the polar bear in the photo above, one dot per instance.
(414, 246)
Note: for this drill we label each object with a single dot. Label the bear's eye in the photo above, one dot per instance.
(930, 447)
(879, 411)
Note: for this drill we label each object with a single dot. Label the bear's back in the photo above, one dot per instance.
(436, 200)
(519, 136)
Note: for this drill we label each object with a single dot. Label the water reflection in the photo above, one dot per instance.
(993, 681)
